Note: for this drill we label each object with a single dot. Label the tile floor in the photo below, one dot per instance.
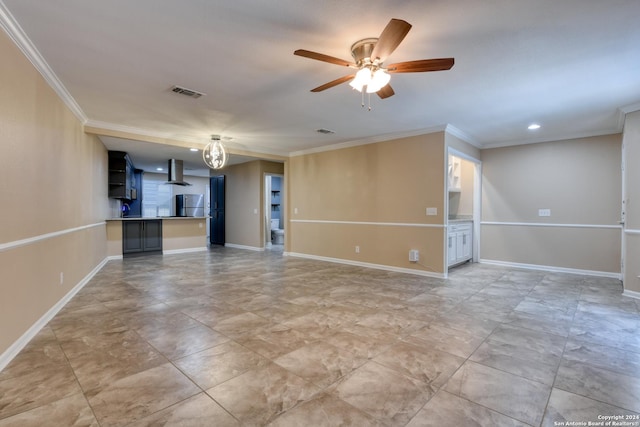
(231, 337)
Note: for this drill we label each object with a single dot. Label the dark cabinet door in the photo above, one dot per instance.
(132, 237)
(152, 235)
(141, 236)
(217, 210)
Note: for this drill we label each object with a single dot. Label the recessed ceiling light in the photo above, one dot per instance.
(193, 149)
(533, 126)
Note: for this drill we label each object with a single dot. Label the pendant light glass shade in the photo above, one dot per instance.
(214, 154)
(379, 80)
(363, 77)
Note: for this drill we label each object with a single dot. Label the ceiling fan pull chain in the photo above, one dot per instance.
(362, 102)
(369, 102)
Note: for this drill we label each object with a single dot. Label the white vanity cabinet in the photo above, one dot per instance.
(459, 242)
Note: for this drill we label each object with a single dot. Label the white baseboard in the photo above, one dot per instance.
(631, 294)
(553, 269)
(368, 265)
(248, 248)
(184, 251)
(16, 347)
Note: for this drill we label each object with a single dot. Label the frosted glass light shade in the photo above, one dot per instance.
(379, 80)
(362, 78)
(214, 154)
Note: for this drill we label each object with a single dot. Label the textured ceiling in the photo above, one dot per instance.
(572, 65)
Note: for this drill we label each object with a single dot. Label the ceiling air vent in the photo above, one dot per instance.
(325, 131)
(187, 92)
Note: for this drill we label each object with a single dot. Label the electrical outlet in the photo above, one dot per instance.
(295, 211)
(357, 249)
(432, 211)
(61, 277)
(544, 212)
(414, 255)
(199, 225)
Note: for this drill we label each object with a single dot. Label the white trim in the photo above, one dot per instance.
(17, 243)
(614, 131)
(367, 265)
(248, 248)
(370, 140)
(115, 258)
(630, 108)
(99, 127)
(463, 136)
(18, 345)
(631, 294)
(553, 269)
(22, 41)
(184, 251)
(542, 224)
(631, 231)
(390, 224)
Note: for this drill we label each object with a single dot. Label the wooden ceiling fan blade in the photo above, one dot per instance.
(333, 83)
(322, 57)
(390, 39)
(421, 65)
(386, 92)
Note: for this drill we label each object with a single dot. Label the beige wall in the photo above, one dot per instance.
(579, 180)
(244, 203)
(53, 182)
(183, 234)
(373, 196)
(632, 201)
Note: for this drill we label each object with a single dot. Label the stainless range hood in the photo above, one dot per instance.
(176, 173)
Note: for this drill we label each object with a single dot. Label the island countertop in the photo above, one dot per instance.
(148, 218)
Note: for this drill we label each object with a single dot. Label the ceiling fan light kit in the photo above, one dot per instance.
(369, 55)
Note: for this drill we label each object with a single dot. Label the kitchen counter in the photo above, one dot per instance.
(130, 218)
(179, 234)
(461, 218)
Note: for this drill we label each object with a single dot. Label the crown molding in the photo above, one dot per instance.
(463, 136)
(552, 139)
(630, 108)
(20, 38)
(115, 130)
(369, 140)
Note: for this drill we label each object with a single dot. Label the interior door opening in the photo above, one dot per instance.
(274, 211)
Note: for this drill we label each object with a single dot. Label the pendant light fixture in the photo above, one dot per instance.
(214, 154)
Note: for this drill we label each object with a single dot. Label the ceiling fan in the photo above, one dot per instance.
(369, 55)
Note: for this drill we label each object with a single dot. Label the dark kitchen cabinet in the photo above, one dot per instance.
(141, 236)
(121, 176)
(217, 210)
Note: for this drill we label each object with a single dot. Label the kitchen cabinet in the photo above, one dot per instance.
(141, 236)
(121, 176)
(459, 242)
(217, 221)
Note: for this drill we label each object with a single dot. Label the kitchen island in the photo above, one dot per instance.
(174, 235)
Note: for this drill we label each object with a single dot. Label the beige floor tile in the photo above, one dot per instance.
(139, 395)
(147, 335)
(260, 395)
(499, 391)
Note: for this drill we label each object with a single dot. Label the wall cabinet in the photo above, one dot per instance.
(141, 236)
(121, 176)
(459, 243)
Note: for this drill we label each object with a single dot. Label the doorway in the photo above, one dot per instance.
(464, 177)
(274, 211)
